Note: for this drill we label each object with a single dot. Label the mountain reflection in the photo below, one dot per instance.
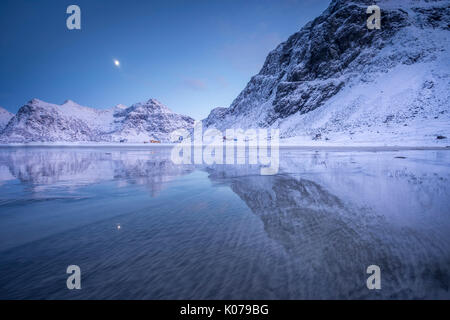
(333, 240)
(68, 167)
(332, 213)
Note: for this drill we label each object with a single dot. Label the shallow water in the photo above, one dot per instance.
(224, 231)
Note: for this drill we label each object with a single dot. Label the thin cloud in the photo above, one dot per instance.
(194, 84)
(222, 82)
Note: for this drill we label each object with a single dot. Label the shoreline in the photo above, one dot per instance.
(330, 147)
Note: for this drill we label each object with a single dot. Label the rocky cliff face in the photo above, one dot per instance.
(38, 121)
(215, 116)
(337, 79)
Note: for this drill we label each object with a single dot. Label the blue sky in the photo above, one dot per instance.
(192, 55)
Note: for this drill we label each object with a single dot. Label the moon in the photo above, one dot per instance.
(116, 63)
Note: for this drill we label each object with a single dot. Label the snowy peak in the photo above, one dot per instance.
(5, 116)
(149, 120)
(39, 104)
(5, 112)
(69, 102)
(152, 101)
(36, 101)
(39, 121)
(151, 106)
(120, 107)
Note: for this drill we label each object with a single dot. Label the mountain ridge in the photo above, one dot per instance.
(39, 121)
(321, 84)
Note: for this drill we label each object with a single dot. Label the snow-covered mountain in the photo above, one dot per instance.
(5, 116)
(336, 81)
(148, 120)
(39, 121)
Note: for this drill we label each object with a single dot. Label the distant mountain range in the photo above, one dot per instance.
(333, 82)
(39, 121)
